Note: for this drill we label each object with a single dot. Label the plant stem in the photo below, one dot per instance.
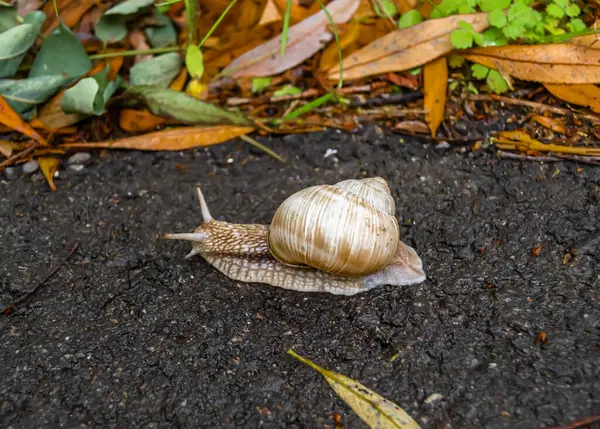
(136, 52)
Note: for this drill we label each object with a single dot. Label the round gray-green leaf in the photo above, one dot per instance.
(157, 71)
(14, 44)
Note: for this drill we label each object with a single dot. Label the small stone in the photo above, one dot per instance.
(30, 167)
(434, 399)
(11, 173)
(79, 158)
(442, 146)
(76, 167)
(462, 127)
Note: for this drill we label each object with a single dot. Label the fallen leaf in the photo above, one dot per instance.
(111, 26)
(161, 34)
(53, 117)
(49, 165)
(157, 71)
(551, 123)
(585, 94)
(407, 48)
(271, 13)
(173, 139)
(15, 43)
(90, 95)
(373, 409)
(415, 127)
(70, 12)
(435, 85)
(137, 121)
(179, 82)
(11, 119)
(521, 141)
(176, 105)
(6, 148)
(304, 39)
(348, 34)
(24, 95)
(299, 11)
(559, 63)
(137, 39)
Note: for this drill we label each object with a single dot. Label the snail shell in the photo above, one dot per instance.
(347, 229)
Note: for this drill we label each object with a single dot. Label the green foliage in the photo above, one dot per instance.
(260, 83)
(287, 90)
(513, 20)
(15, 42)
(158, 71)
(410, 18)
(194, 61)
(493, 78)
(89, 95)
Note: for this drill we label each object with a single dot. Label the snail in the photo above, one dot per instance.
(342, 239)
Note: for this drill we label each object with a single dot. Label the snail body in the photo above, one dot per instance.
(342, 239)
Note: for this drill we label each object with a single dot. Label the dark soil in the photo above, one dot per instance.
(128, 334)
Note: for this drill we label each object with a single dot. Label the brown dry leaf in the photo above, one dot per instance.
(570, 63)
(586, 94)
(179, 82)
(70, 12)
(49, 165)
(11, 119)
(270, 14)
(406, 5)
(139, 43)
(551, 123)
(426, 7)
(244, 15)
(304, 40)
(174, 139)
(138, 121)
(519, 140)
(415, 127)
(348, 35)
(299, 12)
(407, 48)
(435, 85)
(6, 148)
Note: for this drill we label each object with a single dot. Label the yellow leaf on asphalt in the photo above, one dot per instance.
(586, 94)
(173, 139)
(49, 165)
(373, 409)
(407, 48)
(435, 85)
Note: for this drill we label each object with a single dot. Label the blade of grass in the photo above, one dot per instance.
(262, 147)
(136, 52)
(214, 27)
(309, 106)
(286, 26)
(337, 42)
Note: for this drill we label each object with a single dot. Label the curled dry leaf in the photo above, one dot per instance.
(11, 119)
(586, 94)
(570, 63)
(304, 40)
(407, 48)
(49, 165)
(435, 85)
(174, 139)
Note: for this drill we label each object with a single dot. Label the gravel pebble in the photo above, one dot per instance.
(11, 173)
(79, 158)
(30, 166)
(76, 167)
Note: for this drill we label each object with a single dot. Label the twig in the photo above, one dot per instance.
(389, 99)
(7, 310)
(18, 156)
(533, 105)
(556, 158)
(578, 424)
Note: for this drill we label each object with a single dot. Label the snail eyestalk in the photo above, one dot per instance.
(203, 206)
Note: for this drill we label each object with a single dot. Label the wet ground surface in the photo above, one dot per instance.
(129, 334)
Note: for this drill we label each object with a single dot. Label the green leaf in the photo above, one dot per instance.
(489, 5)
(111, 26)
(25, 94)
(389, 8)
(496, 82)
(478, 38)
(479, 71)
(287, 90)
(466, 25)
(573, 11)
(410, 18)
(260, 83)
(445, 8)
(89, 95)
(561, 3)
(194, 61)
(14, 44)
(576, 25)
(61, 54)
(178, 105)
(497, 18)
(555, 11)
(461, 39)
(8, 17)
(456, 61)
(494, 37)
(163, 34)
(157, 71)
(465, 9)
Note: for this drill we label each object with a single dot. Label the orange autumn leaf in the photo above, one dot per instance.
(299, 12)
(246, 14)
(435, 85)
(551, 123)
(407, 48)
(70, 12)
(137, 121)
(49, 165)
(11, 119)
(271, 13)
(586, 94)
(6, 148)
(179, 82)
(519, 140)
(173, 139)
(571, 63)
(348, 35)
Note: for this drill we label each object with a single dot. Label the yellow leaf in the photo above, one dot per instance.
(518, 140)
(373, 409)
(348, 34)
(586, 94)
(407, 48)
(173, 139)
(435, 85)
(11, 119)
(49, 165)
(6, 148)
